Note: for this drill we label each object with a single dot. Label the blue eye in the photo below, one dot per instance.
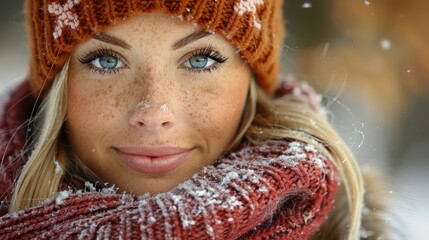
(205, 59)
(103, 61)
(107, 62)
(200, 62)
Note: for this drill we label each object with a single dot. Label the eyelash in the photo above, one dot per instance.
(88, 57)
(210, 53)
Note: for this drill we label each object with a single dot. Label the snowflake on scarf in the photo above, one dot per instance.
(66, 16)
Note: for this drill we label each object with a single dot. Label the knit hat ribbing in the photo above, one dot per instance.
(56, 27)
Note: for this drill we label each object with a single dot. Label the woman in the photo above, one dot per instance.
(158, 120)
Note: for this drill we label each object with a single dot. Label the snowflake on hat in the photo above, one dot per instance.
(65, 16)
(249, 6)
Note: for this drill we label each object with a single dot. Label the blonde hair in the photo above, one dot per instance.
(41, 175)
(263, 119)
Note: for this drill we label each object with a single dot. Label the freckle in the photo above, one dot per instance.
(98, 93)
(137, 81)
(117, 101)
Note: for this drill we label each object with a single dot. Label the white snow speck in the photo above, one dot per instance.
(232, 175)
(90, 187)
(254, 179)
(151, 219)
(187, 222)
(310, 148)
(201, 192)
(109, 190)
(367, 3)
(307, 216)
(58, 168)
(164, 107)
(234, 202)
(142, 105)
(317, 161)
(306, 5)
(176, 198)
(385, 44)
(14, 214)
(61, 197)
(365, 233)
(294, 147)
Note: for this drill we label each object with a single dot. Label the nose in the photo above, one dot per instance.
(152, 117)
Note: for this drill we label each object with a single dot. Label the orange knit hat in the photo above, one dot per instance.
(56, 27)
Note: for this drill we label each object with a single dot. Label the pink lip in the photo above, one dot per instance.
(153, 159)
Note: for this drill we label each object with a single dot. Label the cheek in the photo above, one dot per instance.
(90, 112)
(216, 112)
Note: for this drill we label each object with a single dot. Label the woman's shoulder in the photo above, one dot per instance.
(16, 104)
(15, 96)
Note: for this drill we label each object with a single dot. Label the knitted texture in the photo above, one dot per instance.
(278, 190)
(56, 27)
(281, 190)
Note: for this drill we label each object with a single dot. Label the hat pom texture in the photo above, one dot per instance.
(57, 27)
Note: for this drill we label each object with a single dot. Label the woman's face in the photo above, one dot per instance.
(153, 100)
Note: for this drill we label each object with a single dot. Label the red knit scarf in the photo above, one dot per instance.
(277, 190)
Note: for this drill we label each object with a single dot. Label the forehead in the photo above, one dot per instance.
(158, 29)
(161, 31)
(149, 25)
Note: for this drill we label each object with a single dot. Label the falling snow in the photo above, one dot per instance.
(385, 44)
(306, 5)
(367, 3)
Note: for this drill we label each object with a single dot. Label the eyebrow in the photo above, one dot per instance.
(104, 37)
(190, 38)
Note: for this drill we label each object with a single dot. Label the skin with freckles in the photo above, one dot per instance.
(154, 82)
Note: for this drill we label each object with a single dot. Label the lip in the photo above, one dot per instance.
(161, 159)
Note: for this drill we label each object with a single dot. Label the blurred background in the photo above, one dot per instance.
(370, 61)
